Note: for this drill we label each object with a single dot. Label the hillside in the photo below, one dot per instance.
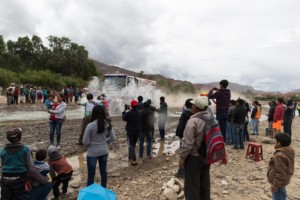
(108, 69)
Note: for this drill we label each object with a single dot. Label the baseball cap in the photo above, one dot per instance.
(134, 103)
(200, 102)
(14, 135)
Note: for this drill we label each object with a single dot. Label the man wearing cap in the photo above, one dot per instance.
(197, 173)
(185, 116)
(133, 129)
(222, 97)
(16, 160)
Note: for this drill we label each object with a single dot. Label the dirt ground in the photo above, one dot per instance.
(245, 178)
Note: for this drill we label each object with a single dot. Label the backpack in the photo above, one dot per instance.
(213, 146)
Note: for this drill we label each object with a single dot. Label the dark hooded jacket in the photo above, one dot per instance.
(281, 167)
(223, 98)
(133, 119)
(271, 113)
(185, 116)
(289, 111)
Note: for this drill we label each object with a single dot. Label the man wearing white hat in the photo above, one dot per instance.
(197, 178)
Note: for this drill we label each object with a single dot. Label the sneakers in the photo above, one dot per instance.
(134, 163)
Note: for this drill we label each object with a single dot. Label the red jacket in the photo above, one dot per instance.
(16, 93)
(279, 112)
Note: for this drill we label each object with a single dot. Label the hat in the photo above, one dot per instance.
(200, 102)
(51, 149)
(134, 103)
(14, 135)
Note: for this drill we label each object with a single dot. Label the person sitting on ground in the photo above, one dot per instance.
(281, 166)
(88, 108)
(96, 137)
(16, 160)
(60, 171)
(40, 164)
(133, 129)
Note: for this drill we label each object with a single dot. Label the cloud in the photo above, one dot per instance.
(247, 42)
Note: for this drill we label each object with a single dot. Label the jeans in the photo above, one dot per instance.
(161, 126)
(197, 179)
(13, 189)
(146, 134)
(229, 133)
(238, 140)
(132, 138)
(91, 165)
(222, 119)
(40, 192)
(246, 133)
(254, 123)
(280, 194)
(55, 125)
(64, 179)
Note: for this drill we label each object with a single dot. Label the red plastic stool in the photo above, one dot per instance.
(255, 150)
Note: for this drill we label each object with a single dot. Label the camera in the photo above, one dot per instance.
(127, 107)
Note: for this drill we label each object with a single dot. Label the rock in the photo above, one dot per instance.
(225, 192)
(75, 185)
(169, 194)
(180, 195)
(176, 188)
(267, 140)
(171, 183)
(179, 182)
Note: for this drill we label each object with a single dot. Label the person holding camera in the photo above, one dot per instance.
(222, 97)
(133, 129)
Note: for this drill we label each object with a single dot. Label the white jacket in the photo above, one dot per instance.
(60, 110)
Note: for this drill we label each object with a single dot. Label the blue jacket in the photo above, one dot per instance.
(133, 119)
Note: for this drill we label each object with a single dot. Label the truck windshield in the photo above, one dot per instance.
(115, 81)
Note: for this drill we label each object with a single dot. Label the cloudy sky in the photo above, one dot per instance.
(253, 42)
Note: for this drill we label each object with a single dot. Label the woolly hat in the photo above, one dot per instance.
(51, 150)
(14, 135)
(200, 102)
(134, 103)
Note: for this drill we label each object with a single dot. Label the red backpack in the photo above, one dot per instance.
(213, 144)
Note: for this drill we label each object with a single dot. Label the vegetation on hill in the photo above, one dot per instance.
(29, 61)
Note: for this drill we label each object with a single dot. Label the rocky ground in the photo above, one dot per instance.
(241, 178)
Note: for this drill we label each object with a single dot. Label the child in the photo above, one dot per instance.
(15, 159)
(63, 169)
(50, 101)
(40, 164)
(281, 166)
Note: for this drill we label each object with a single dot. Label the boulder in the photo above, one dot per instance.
(170, 194)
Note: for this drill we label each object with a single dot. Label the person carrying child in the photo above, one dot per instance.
(16, 160)
(281, 166)
(60, 171)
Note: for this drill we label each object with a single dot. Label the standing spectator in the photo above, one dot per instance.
(152, 108)
(238, 122)
(229, 128)
(71, 94)
(246, 133)
(197, 172)
(140, 104)
(45, 95)
(9, 96)
(104, 102)
(272, 105)
(255, 116)
(146, 128)
(76, 95)
(185, 116)
(27, 94)
(15, 160)
(133, 129)
(162, 117)
(278, 116)
(22, 94)
(65, 92)
(88, 108)
(96, 137)
(33, 95)
(281, 166)
(298, 108)
(60, 171)
(222, 97)
(288, 117)
(39, 94)
(56, 120)
(16, 95)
